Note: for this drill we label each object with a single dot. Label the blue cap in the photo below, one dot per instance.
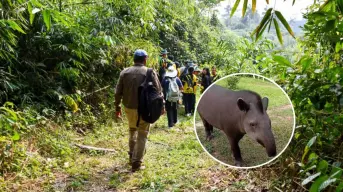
(140, 53)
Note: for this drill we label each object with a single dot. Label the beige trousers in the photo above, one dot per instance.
(138, 135)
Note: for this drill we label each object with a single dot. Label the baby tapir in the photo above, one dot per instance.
(237, 113)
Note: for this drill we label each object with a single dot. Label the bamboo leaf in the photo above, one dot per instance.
(29, 8)
(278, 31)
(263, 22)
(253, 6)
(293, 2)
(47, 19)
(270, 24)
(15, 26)
(284, 22)
(234, 7)
(267, 1)
(245, 5)
(262, 31)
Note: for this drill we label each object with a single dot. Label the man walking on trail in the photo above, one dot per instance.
(127, 90)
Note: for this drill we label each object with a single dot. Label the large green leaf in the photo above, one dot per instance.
(47, 19)
(234, 7)
(282, 60)
(278, 31)
(284, 22)
(322, 166)
(306, 62)
(317, 183)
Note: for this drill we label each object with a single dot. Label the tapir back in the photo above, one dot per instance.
(218, 106)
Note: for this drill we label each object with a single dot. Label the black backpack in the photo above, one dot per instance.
(150, 101)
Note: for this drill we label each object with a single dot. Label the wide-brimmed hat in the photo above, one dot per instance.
(164, 51)
(171, 72)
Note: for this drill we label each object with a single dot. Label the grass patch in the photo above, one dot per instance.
(279, 111)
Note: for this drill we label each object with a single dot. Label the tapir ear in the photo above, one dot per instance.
(265, 102)
(242, 105)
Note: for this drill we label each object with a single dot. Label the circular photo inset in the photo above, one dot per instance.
(244, 120)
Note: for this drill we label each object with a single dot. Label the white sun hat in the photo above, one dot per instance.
(171, 72)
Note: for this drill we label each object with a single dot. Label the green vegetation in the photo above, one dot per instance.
(60, 60)
(280, 114)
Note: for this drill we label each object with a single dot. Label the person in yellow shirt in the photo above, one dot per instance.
(189, 88)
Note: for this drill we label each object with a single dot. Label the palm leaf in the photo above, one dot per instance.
(234, 7)
(284, 22)
(278, 31)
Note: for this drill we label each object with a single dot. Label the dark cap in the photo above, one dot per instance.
(140, 53)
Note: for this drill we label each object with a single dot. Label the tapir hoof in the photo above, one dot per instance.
(238, 163)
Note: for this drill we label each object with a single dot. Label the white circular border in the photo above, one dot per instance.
(260, 165)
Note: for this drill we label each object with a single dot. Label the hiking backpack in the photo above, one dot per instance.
(173, 93)
(150, 101)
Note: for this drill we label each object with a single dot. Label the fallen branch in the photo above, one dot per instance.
(94, 148)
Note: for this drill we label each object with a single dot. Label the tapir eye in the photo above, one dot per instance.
(252, 124)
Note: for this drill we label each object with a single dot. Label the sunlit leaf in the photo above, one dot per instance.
(310, 178)
(234, 7)
(311, 141)
(47, 19)
(282, 60)
(338, 47)
(15, 26)
(16, 136)
(253, 6)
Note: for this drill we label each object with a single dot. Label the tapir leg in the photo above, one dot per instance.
(236, 150)
(208, 129)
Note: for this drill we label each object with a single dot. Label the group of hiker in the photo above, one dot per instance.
(146, 95)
